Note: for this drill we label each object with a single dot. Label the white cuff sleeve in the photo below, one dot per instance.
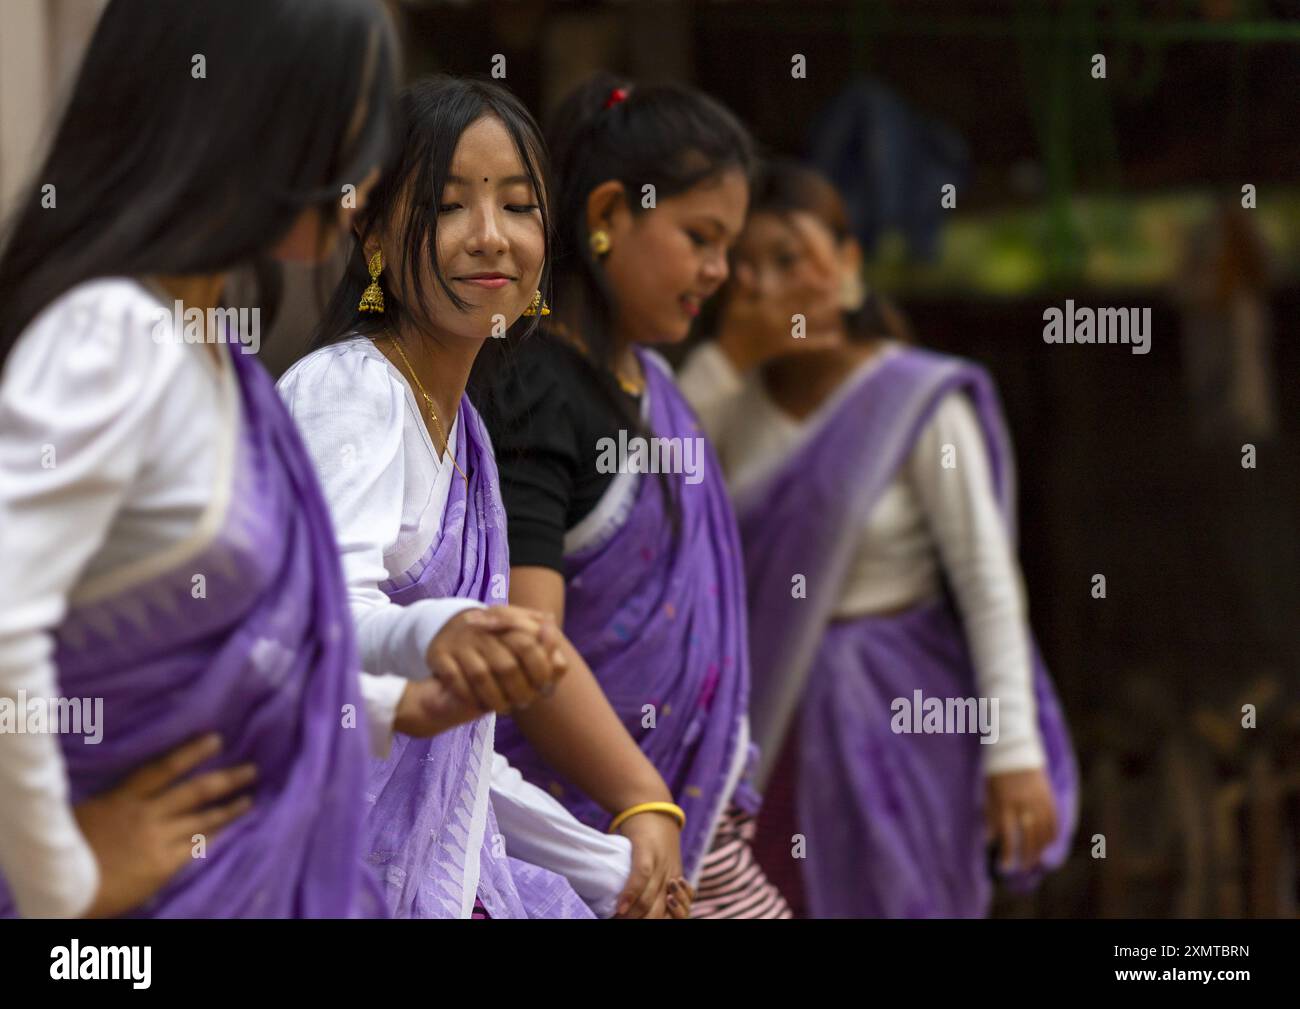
(396, 639)
(381, 695)
(1022, 752)
(539, 830)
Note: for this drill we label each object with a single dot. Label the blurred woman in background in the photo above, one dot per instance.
(874, 488)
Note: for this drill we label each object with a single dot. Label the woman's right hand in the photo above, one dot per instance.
(142, 831)
(500, 658)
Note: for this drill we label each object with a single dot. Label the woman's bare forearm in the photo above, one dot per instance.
(575, 730)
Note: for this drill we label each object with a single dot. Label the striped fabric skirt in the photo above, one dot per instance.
(732, 883)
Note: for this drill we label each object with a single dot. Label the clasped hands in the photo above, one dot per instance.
(495, 659)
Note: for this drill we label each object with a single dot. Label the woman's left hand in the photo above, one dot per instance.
(680, 897)
(1020, 813)
(656, 858)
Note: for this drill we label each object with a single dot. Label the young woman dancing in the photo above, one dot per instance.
(450, 250)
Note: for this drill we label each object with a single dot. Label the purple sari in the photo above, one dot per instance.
(661, 622)
(264, 655)
(893, 824)
(431, 829)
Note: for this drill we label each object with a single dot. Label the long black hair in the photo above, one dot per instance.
(195, 135)
(433, 112)
(665, 135)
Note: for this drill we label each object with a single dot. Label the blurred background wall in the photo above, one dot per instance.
(1124, 191)
(41, 42)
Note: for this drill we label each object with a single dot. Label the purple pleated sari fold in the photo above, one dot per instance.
(248, 636)
(431, 830)
(661, 623)
(893, 824)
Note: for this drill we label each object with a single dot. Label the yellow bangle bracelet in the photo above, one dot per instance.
(671, 808)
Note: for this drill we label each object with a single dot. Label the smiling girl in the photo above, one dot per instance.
(451, 250)
(643, 569)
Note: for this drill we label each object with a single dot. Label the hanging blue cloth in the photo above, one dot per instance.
(890, 163)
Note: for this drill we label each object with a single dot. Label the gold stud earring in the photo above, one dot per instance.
(599, 240)
(537, 306)
(372, 298)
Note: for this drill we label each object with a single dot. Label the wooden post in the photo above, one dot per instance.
(1263, 838)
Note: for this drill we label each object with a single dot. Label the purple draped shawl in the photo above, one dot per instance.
(893, 823)
(259, 648)
(661, 622)
(431, 828)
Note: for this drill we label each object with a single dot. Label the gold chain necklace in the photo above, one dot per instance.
(428, 401)
(626, 384)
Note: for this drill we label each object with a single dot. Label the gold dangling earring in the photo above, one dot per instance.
(599, 240)
(537, 306)
(372, 298)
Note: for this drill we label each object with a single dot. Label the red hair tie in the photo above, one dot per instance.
(615, 96)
